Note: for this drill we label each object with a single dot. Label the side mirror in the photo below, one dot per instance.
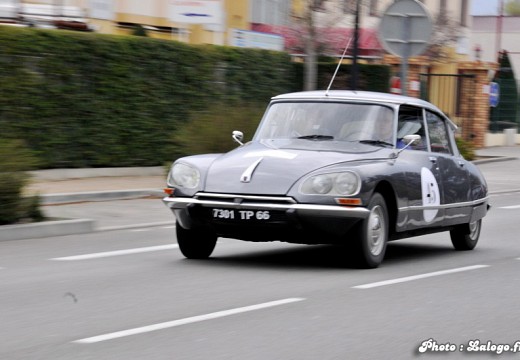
(238, 136)
(409, 140)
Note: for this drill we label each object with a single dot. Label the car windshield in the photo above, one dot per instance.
(328, 121)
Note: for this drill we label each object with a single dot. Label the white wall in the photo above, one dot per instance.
(101, 9)
(501, 139)
(484, 34)
(8, 9)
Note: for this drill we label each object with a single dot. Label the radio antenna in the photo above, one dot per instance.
(337, 67)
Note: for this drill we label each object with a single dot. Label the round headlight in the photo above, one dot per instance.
(336, 184)
(184, 176)
(322, 184)
(346, 183)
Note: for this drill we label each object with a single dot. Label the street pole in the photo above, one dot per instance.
(500, 19)
(407, 24)
(355, 70)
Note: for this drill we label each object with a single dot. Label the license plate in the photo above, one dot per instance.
(246, 215)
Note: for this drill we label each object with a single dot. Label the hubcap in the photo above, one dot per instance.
(473, 230)
(376, 231)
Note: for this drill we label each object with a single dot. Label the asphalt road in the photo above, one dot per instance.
(129, 294)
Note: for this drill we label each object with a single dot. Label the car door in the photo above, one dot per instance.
(454, 177)
(422, 207)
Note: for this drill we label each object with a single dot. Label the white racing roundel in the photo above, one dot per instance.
(430, 194)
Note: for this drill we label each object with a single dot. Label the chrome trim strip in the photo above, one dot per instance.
(248, 173)
(446, 206)
(304, 209)
(246, 197)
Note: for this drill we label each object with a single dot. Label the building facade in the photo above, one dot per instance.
(492, 34)
(156, 17)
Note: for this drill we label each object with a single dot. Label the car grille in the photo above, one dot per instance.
(245, 199)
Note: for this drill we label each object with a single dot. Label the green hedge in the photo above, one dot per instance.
(15, 160)
(370, 77)
(91, 100)
(209, 131)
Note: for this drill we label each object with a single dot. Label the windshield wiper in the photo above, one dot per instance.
(316, 137)
(376, 142)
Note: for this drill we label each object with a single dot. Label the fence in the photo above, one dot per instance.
(454, 94)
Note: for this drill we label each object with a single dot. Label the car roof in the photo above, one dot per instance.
(361, 96)
(368, 96)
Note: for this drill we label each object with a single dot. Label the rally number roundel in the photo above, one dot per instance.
(430, 194)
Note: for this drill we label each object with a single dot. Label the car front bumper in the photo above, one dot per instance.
(288, 220)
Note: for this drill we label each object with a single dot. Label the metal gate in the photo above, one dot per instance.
(455, 95)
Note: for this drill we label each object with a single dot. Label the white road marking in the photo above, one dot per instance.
(416, 277)
(116, 253)
(190, 320)
(510, 207)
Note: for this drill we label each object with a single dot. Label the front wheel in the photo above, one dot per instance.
(372, 234)
(465, 236)
(195, 243)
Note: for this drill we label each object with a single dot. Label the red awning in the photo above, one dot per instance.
(331, 41)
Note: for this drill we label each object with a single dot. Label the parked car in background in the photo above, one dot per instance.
(355, 169)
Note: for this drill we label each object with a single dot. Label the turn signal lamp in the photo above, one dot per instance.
(348, 201)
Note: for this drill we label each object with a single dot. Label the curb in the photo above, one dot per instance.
(136, 226)
(67, 174)
(507, 191)
(67, 198)
(493, 159)
(46, 229)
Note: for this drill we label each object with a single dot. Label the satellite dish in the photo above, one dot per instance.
(406, 28)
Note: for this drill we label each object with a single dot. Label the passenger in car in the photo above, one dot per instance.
(409, 125)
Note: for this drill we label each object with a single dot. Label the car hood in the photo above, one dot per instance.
(259, 169)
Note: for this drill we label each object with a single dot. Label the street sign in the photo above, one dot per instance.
(255, 39)
(494, 94)
(395, 85)
(405, 30)
(196, 11)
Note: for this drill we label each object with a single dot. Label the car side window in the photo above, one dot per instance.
(438, 133)
(410, 122)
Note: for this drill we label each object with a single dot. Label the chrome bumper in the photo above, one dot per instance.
(336, 211)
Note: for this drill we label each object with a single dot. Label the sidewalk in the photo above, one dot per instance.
(77, 185)
(498, 153)
(78, 201)
(112, 198)
(108, 199)
(68, 186)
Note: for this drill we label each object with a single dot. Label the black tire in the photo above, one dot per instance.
(465, 236)
(369, 246)
(195, 243)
